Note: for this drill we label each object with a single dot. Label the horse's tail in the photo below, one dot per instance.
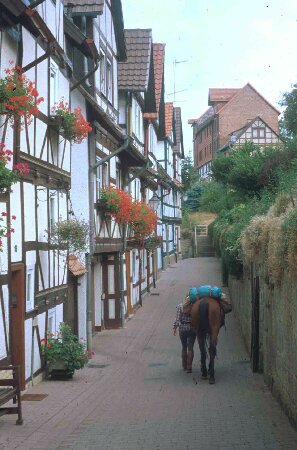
(203, 319)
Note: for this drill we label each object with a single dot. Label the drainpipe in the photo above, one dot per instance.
(89, 256)
(86, 76)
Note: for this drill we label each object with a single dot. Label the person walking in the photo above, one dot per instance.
(183, 322)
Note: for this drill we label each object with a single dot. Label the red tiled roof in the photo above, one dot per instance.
(159, 57)
(168, 118)
(221, 95)
(150, 116)
(75, 266)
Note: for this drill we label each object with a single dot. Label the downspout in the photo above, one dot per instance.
(86, 76)
(89, 256)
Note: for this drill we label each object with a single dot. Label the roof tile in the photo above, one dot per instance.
(134, 73)
(159, 57)
(168, 118)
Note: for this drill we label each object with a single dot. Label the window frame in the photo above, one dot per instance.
(30, 303)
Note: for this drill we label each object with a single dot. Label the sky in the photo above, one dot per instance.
(220, 43)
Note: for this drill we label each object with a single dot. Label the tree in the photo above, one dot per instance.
(189, 174)
(289, 122)
(193, 201)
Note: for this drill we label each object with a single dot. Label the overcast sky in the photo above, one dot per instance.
(225, 43)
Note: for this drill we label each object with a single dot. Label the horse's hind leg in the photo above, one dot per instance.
(212, 354)
(202, 347)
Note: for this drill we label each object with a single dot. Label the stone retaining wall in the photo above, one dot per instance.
(277, 331)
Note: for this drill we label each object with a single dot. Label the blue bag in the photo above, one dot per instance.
(193, 294)
(209, 291)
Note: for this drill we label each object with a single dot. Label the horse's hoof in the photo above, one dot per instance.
(189, 370)
(204, 376)
(212, 380)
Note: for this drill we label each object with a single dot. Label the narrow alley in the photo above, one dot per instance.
(134, 395)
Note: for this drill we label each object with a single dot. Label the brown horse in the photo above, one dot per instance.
(206, 320)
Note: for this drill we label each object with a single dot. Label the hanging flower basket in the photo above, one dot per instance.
(72, 124)
(143, 219)
(70, 235)
(136, 214)
(19, 97)
(153, 242)
(117, 203)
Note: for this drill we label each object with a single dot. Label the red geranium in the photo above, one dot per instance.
(75, 126)
(125, 210)
(18, 96)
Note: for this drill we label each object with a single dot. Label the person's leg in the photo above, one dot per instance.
(183, 339)
(191, 336)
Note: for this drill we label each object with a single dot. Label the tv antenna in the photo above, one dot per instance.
(175, 62)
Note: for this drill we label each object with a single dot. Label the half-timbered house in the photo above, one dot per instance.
(137, 103)
(107, 161)
(256, 131)
(229, 110)
(34, 274)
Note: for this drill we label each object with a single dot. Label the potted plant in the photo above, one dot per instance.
(19, 97)
(64, 353)
(73, 124)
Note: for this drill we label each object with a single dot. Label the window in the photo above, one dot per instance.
(53, 84)
(258, 133)
(51, 323)
(118, 178)
(109, 81)
(53, 216)
(30, 288)
(200, 137)
(104, 175)
(97, 178)
(200, 155)
(103, 74)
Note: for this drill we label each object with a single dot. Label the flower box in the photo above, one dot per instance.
(59, 371)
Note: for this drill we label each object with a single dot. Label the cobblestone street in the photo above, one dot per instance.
(134, 395)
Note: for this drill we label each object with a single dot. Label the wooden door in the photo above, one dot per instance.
(255, 342)
(18, 301)
(70, 313)
(111, 290)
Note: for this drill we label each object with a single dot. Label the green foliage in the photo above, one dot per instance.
(7, 177)
(189, 174)
(70, 234)
(226, 231)
(249, 169)
(65, 347)
(289, 124)
(216, 197)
